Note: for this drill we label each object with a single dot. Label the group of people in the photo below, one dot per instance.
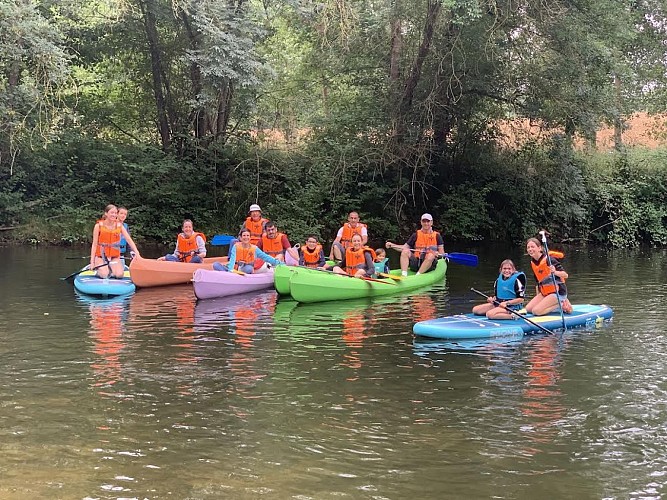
(260, 245)
(510, 286)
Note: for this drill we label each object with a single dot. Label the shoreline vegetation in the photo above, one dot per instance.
(488, 117)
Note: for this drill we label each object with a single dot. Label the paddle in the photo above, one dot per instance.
(495, 302)
(222, 239)
(66, 278)
(546, 250)
(365, 278)
(391, 276)
(466, 259)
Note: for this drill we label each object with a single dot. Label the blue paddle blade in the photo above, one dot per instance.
(467, 259)
(222, 239)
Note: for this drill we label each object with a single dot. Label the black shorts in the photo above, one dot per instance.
(416, 263)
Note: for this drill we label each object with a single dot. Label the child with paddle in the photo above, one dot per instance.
(510, 289)
(550, 277)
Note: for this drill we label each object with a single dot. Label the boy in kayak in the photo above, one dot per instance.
(344, 236)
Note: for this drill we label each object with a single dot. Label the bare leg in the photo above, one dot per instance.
(405, 259)
(546, 305)
(482, 309)
(426, 265)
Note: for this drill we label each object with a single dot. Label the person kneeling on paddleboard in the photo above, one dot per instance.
(550, 277)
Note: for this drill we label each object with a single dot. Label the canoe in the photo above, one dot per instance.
(210, 284)
(309, 285)
(88, 283)
(469, 326)
(153, 272)
(281, 277)
(283, 274)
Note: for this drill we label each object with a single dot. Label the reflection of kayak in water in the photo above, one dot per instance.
(211, 284)
(469, 326)
(87, 282)
(251, 312)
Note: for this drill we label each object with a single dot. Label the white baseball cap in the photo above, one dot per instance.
(254, 207)
(427, 216)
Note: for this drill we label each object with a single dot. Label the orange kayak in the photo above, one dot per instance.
(152, 272)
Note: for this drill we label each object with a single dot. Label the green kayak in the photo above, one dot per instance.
(281, 277)
(308, 285)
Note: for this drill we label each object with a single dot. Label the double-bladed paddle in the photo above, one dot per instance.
(67, 278)
(495, 302)
(466, 259)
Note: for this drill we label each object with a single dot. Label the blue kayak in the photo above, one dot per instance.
(469, 326)
(88, 283)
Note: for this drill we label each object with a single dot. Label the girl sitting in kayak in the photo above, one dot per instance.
(190, 245)
(358, 260)
(243, 254)
(105, 249)
(510, 289)
(550, 277)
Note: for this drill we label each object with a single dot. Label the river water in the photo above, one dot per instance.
(160, 396)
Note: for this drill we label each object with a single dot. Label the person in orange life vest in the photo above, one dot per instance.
(358, 260)
(242, 256)
(510, 290)
(254, 223)
(312, 254)
(106, 244)
(344, 236)
(190, 246)
(420, 253)
(275, 244)
(545, 299)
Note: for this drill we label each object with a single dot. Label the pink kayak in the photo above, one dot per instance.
(209, 284)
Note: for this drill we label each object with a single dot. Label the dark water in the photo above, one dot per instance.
(160, 396)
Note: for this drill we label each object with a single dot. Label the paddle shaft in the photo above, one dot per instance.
(495, 302)
(466, 259)
(553, 277)
(82, 270)
(347, 275)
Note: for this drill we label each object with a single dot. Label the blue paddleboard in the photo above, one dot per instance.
(469, 326)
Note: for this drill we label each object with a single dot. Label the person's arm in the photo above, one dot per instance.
(441, 244)
(93, 247)
(321, 262)
(370, 264)
(394, 246)
(130, 241)
(201, 246)
(557, 269)
(259, 254)
(287, 246)
(364, 235)
(520, 287)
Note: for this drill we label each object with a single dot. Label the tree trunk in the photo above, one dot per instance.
(618, 122)
(395, 51)
(198, 116)
(152, 37)
(224, 111)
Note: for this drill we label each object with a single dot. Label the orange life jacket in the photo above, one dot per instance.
(545, 282)
(273, 246)
(186, 245)
(348, 232)
(355, 260)
(425, 241)
(108, 241)
(256, 228)
(244, 255)
(311, 259)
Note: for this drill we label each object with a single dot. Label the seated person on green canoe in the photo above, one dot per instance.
(381, 261)
(312, 254)
(422, 250)
(242, 256)
(358, 260)
(343, 238)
